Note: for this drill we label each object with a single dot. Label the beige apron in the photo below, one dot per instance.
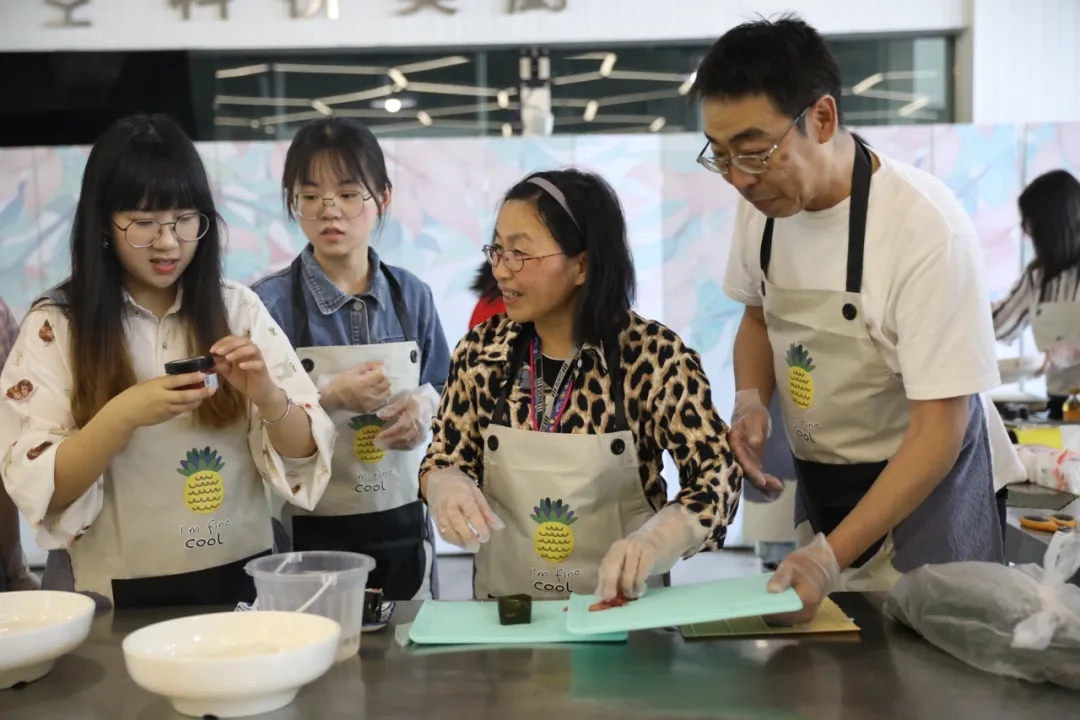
(178, 499)
(1054, 322)
(565, 498)
(371, 504)
(845, 414)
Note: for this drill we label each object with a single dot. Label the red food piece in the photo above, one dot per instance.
(617, 601)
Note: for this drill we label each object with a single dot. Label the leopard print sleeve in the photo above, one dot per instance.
(690, 428)
(455, 430)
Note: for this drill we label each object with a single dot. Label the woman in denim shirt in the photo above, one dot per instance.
(370, 337)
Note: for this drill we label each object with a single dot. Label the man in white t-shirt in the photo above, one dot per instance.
(865, 310)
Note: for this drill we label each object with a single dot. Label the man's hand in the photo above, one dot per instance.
(750, 425)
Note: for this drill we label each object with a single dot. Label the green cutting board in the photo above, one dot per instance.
(683, 605)
(442, 622)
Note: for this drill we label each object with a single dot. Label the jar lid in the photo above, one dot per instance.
(189, 365)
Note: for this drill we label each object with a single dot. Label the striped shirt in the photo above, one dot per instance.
(1013, 313)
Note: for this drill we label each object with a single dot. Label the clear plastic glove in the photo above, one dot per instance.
(408, 419)
(813, 573)
(459, 510)
(362, 389)
(651, 550)
(750, 425)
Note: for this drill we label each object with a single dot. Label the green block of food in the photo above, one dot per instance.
(515, 610)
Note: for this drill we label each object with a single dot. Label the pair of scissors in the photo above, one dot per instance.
(1048, 523)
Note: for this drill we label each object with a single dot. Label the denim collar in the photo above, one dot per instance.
(328, 297)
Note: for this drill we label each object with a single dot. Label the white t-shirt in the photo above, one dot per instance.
(923, 291)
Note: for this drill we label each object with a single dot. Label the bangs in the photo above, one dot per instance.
(156, 175)
(334, 162)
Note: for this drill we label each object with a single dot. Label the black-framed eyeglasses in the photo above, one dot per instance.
(310, 205)
(753, 164)
(513, 259)
(189, 227)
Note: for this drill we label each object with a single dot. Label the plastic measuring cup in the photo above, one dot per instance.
(327, 583)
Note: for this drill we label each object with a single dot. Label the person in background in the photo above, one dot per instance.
(369, 335)
(1046, 298)
(865, 310)
(15, 574)
(490, 301)
(548, 446)
(146, 487)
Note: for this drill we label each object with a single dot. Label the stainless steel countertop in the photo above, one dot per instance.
(885, 672)
(1029, 546)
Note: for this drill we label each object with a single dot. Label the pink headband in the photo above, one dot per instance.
(555, 193)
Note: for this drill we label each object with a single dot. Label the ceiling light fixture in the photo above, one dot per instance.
(658, 124)
(590, 111)
(867, 83)
(392, 105)
(424, 118)
(400, 81)
(608, 64)
(322, 107)
(503, 99)
(507, 130)
(688, 83)
(913, 106)
(244, 71)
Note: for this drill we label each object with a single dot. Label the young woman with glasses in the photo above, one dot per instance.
(147, 483)
(370, 337)
(548, 446)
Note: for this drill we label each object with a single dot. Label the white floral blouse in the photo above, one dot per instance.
(35, 414)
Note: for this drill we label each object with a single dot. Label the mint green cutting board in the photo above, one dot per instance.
(683, 605)
(442, 622)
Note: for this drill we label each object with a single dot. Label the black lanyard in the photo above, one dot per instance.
(299, 303)
(519, 353)
(541, 420)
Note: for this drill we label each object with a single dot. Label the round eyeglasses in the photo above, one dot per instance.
(310, 206)
(512, 259)
(752, 164)
(189, 227)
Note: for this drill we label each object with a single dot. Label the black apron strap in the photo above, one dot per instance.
(860, 200)
(613, 357)
(299, 303)
(860, 197)
(518, 353)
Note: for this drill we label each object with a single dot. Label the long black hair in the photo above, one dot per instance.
(598, 229)
(1050, 215)
(351, 150)
(143, 163)
(484, 283)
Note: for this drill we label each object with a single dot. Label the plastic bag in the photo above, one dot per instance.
(1021, 621)
(1051, 468)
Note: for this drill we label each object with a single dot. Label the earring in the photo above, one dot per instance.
(105, 244)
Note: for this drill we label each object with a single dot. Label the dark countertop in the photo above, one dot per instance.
(884, 672)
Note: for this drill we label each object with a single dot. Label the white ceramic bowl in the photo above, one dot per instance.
(1018, 369)
(231, 664)
(38, 627)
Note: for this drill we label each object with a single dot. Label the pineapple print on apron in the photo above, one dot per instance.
(184, 509)
(565, 498)
(845, 414)
(371, 504)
